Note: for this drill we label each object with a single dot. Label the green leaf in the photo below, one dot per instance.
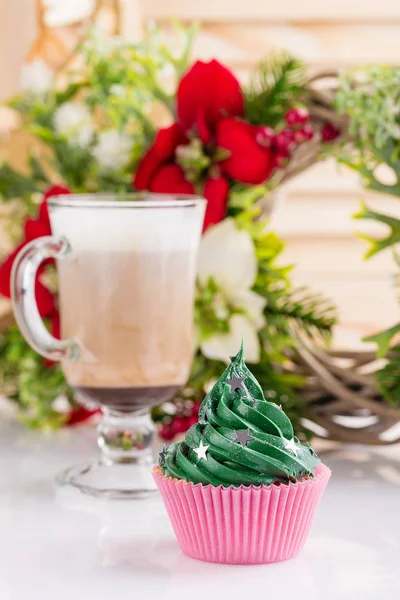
(44, 133)
(383, 339)
(69, 92)
(14, 184)
(37, 170)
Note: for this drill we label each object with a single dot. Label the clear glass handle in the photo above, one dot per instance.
(23, 277)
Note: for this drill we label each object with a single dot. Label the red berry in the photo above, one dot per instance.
(296, 116)
(192, 420)
(265, 136)
(304, 134)
(281, 160)
(179, 425)
(284, 141)
(196, 408)
(329, 132)
(166, 433)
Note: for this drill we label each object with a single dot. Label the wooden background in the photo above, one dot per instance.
(314, 213)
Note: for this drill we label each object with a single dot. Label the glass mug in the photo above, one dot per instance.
(126, 271)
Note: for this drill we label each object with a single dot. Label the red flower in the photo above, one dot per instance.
(160, 153)
(5, 271)
(249, 162)
(55, 190)
(170, 179)
(33, 228)
(44, 298)
(55, 325)
(206, 93)
(216, 193)
(79, 415)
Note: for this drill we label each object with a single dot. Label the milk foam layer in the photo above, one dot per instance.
(107, 229)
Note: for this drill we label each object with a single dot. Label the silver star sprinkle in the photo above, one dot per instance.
(201, 451)
(162, 457)
(235, 382)
(291, 445)
(243, 436)
(311, 451)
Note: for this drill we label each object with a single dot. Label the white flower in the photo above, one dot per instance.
(112, 150)
(36, 77)
(73, 120)
(117, 90)
(61, 405)
(60, 13)
(227, 254)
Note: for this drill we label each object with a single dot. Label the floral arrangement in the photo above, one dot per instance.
(114, 124)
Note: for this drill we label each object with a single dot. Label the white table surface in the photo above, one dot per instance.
(58, 545)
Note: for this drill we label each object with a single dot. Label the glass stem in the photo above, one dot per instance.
(126, 437)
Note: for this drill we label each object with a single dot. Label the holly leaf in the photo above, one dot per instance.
(377, 245)
(383, 339)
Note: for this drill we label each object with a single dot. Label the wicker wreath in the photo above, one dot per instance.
(341, 389)
(342, 395)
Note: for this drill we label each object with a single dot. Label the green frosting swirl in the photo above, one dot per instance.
(248, 440)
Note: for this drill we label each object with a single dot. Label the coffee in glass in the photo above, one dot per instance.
(126, 271)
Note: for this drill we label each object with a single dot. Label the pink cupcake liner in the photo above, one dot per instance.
(242, 525)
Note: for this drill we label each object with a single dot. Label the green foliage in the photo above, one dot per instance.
(26, 380)
(16, 185)
(388, 378)
(120, 83)
(285, 306)
(371, 99)
(370, 96)
(212, 311)
(276, 85)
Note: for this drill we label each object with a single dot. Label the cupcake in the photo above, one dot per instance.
(240, 488)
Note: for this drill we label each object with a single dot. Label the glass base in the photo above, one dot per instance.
(113, 480)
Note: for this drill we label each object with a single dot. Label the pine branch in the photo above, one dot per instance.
(277, 84)
(312, 312)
